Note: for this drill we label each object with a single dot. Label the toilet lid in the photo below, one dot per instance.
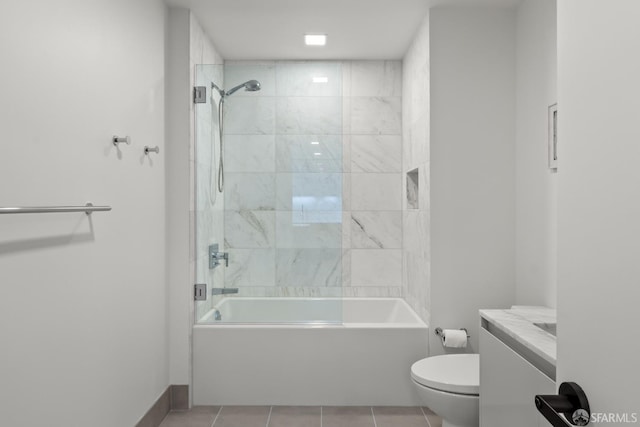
(453, 373)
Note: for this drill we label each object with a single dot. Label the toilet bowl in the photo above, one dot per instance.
(449, 385)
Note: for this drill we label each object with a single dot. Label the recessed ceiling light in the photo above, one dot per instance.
(317, 154)
(315, 39)
(321, 79)
(315, 143)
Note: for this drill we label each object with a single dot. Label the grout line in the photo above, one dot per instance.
(425, 416)
(374, 417)
(269, 417)
(217, 415)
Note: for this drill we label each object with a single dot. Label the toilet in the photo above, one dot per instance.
(449, 385)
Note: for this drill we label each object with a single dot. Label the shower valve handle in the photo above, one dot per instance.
(220, 256)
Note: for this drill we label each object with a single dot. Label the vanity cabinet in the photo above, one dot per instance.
(508, 384)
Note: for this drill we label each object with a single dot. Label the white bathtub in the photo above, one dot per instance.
(305, 355)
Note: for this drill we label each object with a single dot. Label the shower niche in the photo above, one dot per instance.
(413, 189)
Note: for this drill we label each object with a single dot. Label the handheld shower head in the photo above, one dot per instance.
(250, 86)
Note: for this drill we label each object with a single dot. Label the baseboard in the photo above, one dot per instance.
(175, 397)
(179, 397)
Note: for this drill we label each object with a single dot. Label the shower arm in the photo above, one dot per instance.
(220, 91)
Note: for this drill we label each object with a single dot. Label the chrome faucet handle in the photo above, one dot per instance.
(215, 256)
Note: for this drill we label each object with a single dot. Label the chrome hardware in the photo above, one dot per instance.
(148, 150)
(223, 291)
(88, 208)
(216, 314)
(120, 140)
(200, 291)
(200, 95)
(215, 257)
(439, 332)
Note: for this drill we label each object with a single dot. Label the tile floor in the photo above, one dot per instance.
(302, 416)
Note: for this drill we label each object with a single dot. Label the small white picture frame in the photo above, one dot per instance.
(553, 136)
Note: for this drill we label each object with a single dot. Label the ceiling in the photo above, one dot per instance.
(274, 29)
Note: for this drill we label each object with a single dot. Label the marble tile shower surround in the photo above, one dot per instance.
(416, 258)
(314, 179)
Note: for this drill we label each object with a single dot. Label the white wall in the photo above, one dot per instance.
(536, 184)
(83, 301)
(177, 193)
(598, 205)
(472, 165)
(416, 155)
(187, 45)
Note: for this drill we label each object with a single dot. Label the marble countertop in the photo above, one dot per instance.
(518, 323)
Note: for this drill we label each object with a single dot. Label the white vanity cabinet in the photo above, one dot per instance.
(508, 384)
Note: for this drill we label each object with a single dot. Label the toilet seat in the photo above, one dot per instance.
(451, 373)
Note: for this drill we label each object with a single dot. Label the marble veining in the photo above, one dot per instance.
(249, 229)
(305, 192)
(311, 267)
(251, 267)
(250, 191)
(376, 78)
(308, 153)
(376, 192)
(376, 115)
(518, 323)
(376, 230)
(314, 230)
(376, 267)
(250, 115)
(249, 153)
(299, 157)
(376, 153)
(309, 115)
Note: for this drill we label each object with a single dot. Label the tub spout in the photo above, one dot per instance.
(223, 291)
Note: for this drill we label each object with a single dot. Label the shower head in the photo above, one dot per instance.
(250, 86)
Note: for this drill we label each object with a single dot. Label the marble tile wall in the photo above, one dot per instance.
(314, 178)
(416, 284)
(373, 131)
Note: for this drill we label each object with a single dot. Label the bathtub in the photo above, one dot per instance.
(308, 351)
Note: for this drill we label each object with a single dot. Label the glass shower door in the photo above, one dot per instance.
(279, 216)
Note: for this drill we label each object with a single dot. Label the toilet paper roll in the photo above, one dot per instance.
(455, 338)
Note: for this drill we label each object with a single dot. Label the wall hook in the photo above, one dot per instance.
(120, 140)
(148, 150)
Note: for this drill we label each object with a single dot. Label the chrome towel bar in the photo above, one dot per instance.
(88, 209)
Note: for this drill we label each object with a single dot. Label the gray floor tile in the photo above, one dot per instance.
(243, 416)
(347, 416)
(295, 416)
(434, 420)
(401, 416)
(198, 416)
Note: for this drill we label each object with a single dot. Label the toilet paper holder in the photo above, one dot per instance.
(440, 333)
